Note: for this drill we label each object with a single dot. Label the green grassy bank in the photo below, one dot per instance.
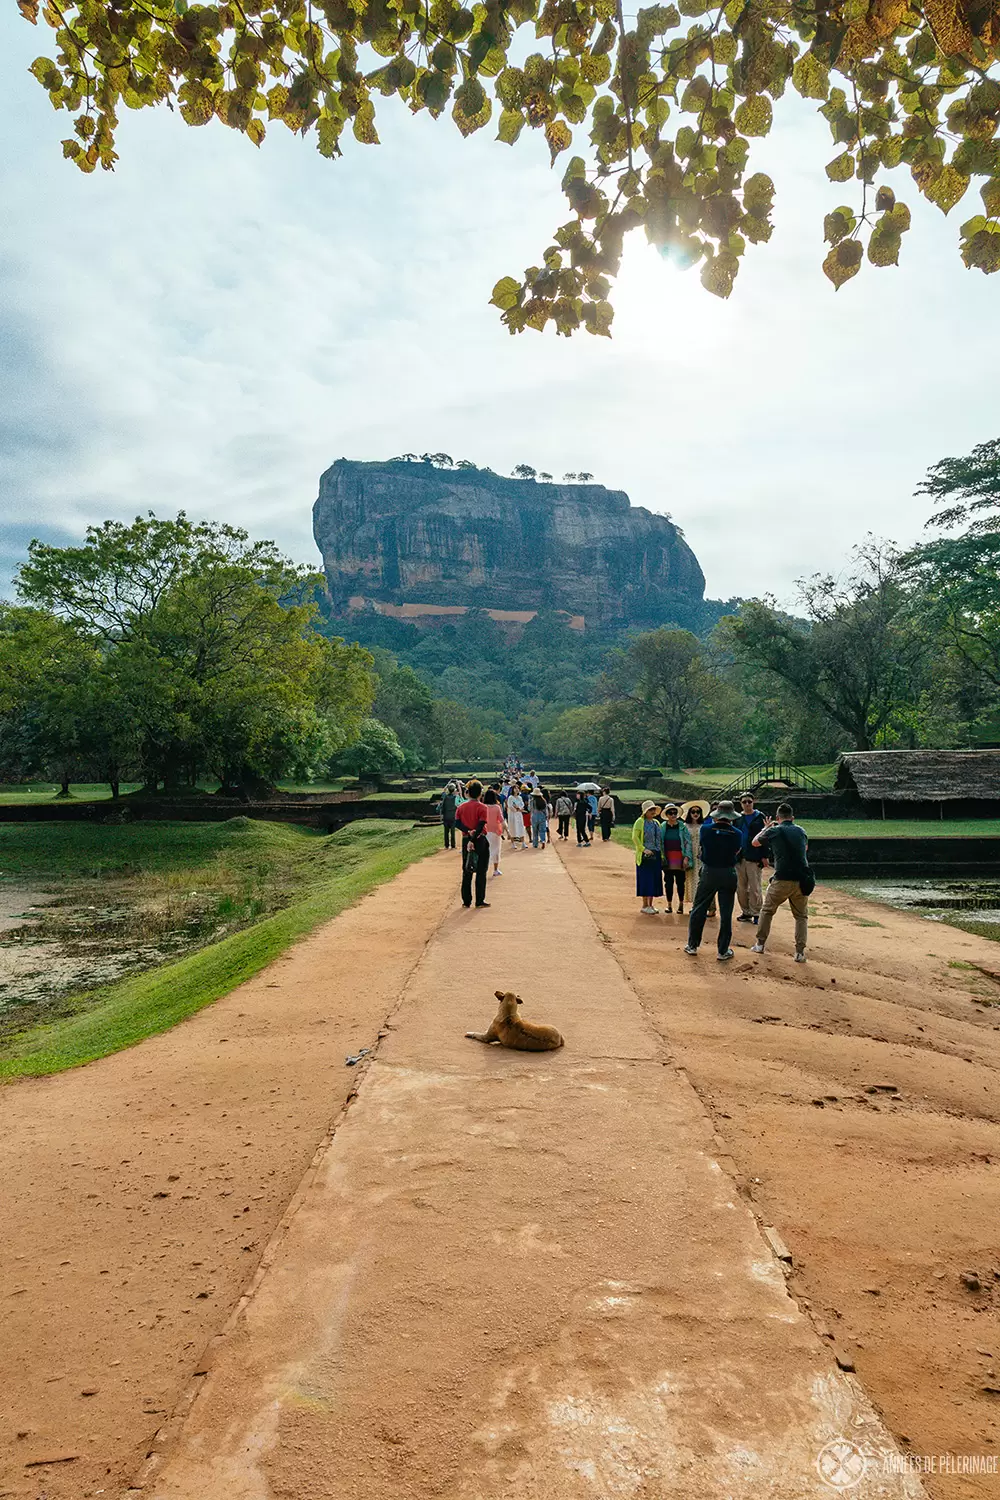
(311, 877)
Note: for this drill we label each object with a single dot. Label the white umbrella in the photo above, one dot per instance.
(589, 786)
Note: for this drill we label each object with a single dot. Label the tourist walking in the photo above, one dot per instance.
(591, 813)
(676, 856)
(721, 852)
(496, 828)
(471, 819)
(564, 811)
(606, 812)
(539, 819)
(748, 892)
(446, 808)
(582, 814)
(647, 841)
(515, 818)
(786, 846)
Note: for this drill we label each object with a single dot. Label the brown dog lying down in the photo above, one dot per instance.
(509, 1030)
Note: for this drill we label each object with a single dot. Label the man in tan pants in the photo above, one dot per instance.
(786, 845)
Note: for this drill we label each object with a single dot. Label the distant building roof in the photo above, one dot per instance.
(920, 775)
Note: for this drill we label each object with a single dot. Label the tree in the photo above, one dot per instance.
(525, 471)
(206, 666)
(859, 657)
(545, 477)
(404, 702)
(459, 735)
(671, 105)
(664, 696)
(960, 574)
(375, 752)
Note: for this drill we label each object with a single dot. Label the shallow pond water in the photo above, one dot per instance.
(972, 904)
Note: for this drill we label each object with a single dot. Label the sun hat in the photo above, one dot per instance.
(726, 811)
(698, 802)
(672, 807)
(648, 806)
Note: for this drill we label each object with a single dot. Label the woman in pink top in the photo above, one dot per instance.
(496, 828)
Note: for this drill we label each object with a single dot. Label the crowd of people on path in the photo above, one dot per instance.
(518, 810)
(710, 855)
(705, 856)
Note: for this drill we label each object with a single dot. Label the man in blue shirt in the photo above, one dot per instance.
(748, 891)
(721, 849)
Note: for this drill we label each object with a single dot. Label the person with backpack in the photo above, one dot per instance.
(472, 818)
(721, 849)
(564, 812)
(786, 846)
(606, 812)
(446, 808)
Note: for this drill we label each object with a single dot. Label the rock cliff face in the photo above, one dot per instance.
(421, 541)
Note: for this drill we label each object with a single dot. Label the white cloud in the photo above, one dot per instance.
(210, 327)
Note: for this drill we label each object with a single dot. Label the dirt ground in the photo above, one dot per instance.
(140, 1192)
(859, 1096)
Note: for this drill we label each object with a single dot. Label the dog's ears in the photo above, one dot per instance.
(499, 994)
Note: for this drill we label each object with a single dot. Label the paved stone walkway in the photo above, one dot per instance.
(524, 1275)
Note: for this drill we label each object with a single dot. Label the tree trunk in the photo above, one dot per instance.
(64, 788)
(115, 785)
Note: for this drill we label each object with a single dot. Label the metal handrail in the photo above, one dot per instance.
(767, 771)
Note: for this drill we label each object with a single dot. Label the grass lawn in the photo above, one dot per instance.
(308, 876)
(45, 791)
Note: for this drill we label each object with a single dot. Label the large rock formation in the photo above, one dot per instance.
(419, 541)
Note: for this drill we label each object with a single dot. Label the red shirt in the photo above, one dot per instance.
(470, 816)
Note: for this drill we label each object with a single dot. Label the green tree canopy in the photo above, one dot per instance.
(203, 666)
(859, 656)
(959, 571)
(663, 694)
(668, 102)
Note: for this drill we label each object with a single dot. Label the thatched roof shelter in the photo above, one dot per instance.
(921, 775)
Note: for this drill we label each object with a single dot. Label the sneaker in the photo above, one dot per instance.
(744, 916)
(756, 920)
(680, 911)
(693, 951)
(800, 958)
(757, 948)
(481, 904)
(649, 911)
(725, 957)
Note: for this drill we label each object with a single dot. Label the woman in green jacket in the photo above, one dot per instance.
(647, 841)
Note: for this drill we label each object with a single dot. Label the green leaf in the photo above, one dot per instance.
(990, 194)
(811, 77)
(758, 194)
(753, 117)
(559, 137)
(982, 251)
(947, 188)
(843, 262)
(506, 293)
(838, 225)
(719, 273)
(885, 198)
(510, 127)
(841, 168)
(364, 125)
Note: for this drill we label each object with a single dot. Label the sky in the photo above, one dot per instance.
(210, 326)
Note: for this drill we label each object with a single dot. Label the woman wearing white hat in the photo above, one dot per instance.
(647, 841)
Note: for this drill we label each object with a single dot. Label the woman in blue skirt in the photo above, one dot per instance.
(647, 841)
